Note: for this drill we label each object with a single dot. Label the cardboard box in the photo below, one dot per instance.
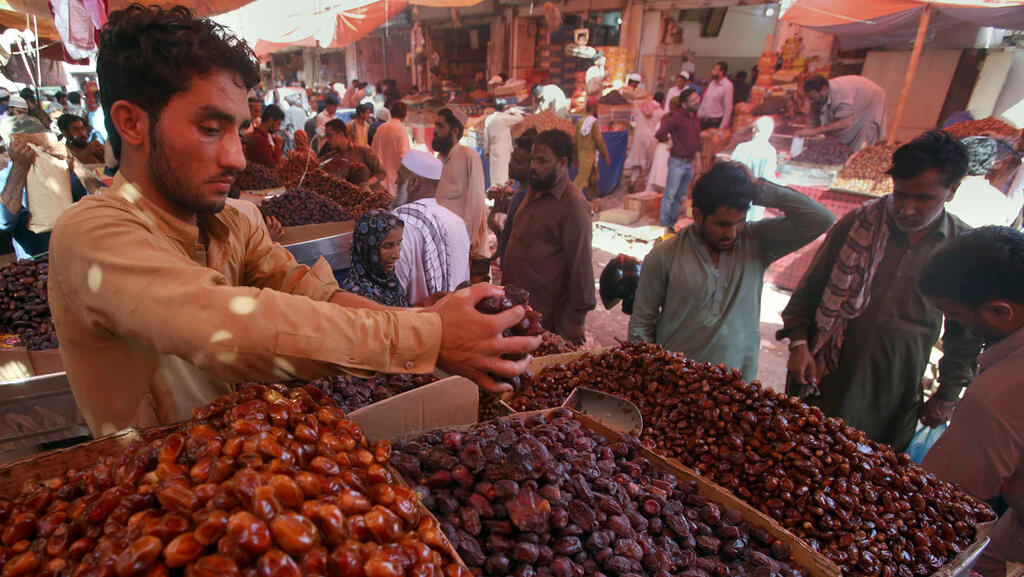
(453, 401)
(332, 240)
(36, 402)
(647, 203)
(620, 216)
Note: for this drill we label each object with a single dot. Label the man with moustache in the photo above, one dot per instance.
(976, 280)
(860, 329)
(549, 250)
(700, 291)
(76, 137)
(163, 296)
(519, 171)
(461, 189)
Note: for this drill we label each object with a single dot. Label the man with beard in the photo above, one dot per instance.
(76, 138)
(519, 171)
(435, 246)
(549, 252)
(163, 297)
(860, 330)
(976, 280)
(461, 189)
(716, 104)
(344, 155)
(700, 291)
(851, 108)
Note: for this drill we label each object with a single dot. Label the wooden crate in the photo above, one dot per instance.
(647, 203)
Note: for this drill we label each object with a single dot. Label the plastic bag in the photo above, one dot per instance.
(923, 440)
(49, 190)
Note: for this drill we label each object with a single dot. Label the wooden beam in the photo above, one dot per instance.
(915, 57)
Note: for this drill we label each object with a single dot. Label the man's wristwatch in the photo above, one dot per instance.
(797, 343)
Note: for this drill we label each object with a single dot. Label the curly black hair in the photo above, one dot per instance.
(724, 184)
(148, 54)
(932, 149)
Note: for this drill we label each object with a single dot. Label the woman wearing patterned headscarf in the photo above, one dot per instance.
(376, 247)
(977, 202)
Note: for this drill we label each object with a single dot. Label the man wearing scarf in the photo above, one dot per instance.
(435, 246)
(860, 330)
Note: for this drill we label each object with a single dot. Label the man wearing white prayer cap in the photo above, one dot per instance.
(632, 90)
(681, 79)
(435, 244)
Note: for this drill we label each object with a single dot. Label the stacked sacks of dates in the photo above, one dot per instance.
(547, 498)
(24, 309)
(868, 509)
(266, 482)
(298, 207)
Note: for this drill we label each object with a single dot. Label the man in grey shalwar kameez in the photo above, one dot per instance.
(852, 108)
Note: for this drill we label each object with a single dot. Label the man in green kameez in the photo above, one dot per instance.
(860, 330)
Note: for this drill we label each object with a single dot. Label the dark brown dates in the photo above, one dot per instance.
(575, 505)
(826, 482)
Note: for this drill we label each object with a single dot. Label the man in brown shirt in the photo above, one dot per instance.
(344, 156)
(549, 251)
(163, 297)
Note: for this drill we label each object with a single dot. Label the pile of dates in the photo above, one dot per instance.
(267, 482)
(24, 308)
(298, 207)
(989, 126)
(353, 199)
(554, 344)
(530, 326)
(828, 151)
(544, 497)
(256, 177)
(351, 392)
(865, 507)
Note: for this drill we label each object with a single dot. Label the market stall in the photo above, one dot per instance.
(411, 484)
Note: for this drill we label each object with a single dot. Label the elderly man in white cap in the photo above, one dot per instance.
(18, 120)
(681, 81)
(435, 246)
(498, 140)
(461, 189)
(632, 90)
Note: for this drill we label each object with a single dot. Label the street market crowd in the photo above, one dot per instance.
(165, 291)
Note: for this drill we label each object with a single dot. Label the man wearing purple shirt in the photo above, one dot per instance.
(684, 128)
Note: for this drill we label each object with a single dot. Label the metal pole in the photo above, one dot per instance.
(915, 57)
